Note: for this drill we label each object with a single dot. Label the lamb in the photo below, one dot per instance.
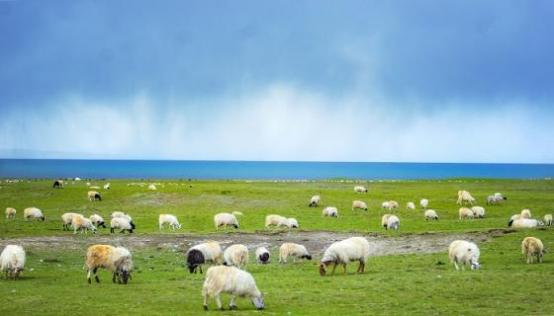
(12, 261)
(169, 219)
(277, 220)
(431, 215)
(424, 203)
(97, 220)
(78, 222)
(236, 255)
(525, 213)
(117, 260)
(548, 219)
(478, 211)
(58, 184)
(330, 211)
(360, 189)
(262, 255)
(343, 252)
(67, 218)
(525, 223)
(94, 196)
(465, 253)
(226, 219)
(465, 197)
(359, 205)
(223, 279)
(203, 253)
(295, 250)
(410, 206)
(465, 212)
(532, 247)
(10, 212)
(33, 212)
(121, 223)
(107, 186)
(314, 201)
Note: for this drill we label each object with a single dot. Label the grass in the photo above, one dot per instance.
(54, 281)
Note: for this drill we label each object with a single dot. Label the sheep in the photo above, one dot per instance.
(465, 197)
(525, 223)
(526, 213)
(10, 212)
(293, 223)
(424, 203)
(314, 201)
(125, 216)
(97, 220)
(360, 189)
(387, 205)
(226, 219)
(232, 280)
(94, 196)
(78, 222)
(465, 253)
(236, 255)
(385, 220)
(33, 212)
(169, 219)
(117, 260)
(478, 211)
(548, 219)
(465, 212)
(107, 186)
(295, 250)
(67, 218)
(94, 187)
(121, 223)
(12, 261)
(262, 255)
(343, 252)
(58, 184)
(330, 211)
(431, 215)
(410, 206)
(532, 247)
(152, 187)
(495, 198)
(393, 222)
(359, 205)
(277, 220)
(203, 253)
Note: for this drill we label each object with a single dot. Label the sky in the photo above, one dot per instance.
(402, 81)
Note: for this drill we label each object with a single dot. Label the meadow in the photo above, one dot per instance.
(418, 283)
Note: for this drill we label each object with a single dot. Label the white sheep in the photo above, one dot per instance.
(478, 211)
(94, 196)
(152, 187)
(359, 205)
(67, 218)
(232, 280)
(387, 205)
(79, 222)
(97, 220)
(121, 223)
(410, 206)
(465, 212)
(465, 253)
(525, 223)
(465, 197)
(169, 219)
(295, 250)
(343, 252)
(431, 214)
(125, 216)
(360, 189)
(277, 220)
(107, 186)
(12, 261)
(548, 219)
(314, 201)
(293, 223)
(94, 187)
(236, 255)
(532, 247)
(495, 198)
(10, 212)
(330, 211)
(226, 219)
(424, 203)
(33, 212)
(208, 252)
(526, 213)
(393, 222)
(262, 255)
(117, 260)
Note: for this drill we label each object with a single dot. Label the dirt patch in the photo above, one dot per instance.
(316, 242)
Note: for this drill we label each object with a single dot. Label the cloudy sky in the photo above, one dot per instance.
(423, 81)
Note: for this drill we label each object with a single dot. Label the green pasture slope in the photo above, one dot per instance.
(54, 282)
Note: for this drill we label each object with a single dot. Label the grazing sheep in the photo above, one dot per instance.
(236, 255)
(121, 223)
(385, 220)
(431, 215)
(330, 211)
(10, 212)
(33, 212)
(277, 220)
(169, 219)
(314, 201)
(12, 261)
(410, 206)
(495, 198)
(424, 203)
(465, 212)
(359, 205)
(107, 186)
(548, 219)
(293, 223)
(152, 187)
(360, 189)
(532, 247)
(223, 279)
(203, 253)
(226, 219)
(67, 218)
(125, 216)
(393, 222)
(295, 250)
(478, 211)
(465, 197)
(117, 260)
(79, 222)
(94, 196)
(464, 253)
(58, 184)
(97, 220)
(343, 252)
(262, 255)
(525, 223)
(526, 213)
(387, 205)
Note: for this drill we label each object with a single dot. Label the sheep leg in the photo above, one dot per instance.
(232, 304)
(88, 277)
(334, 267)
(456, 265)
(205, 302)
(218, 301)
(344, 267)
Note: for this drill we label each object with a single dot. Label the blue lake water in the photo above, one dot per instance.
(53, 168)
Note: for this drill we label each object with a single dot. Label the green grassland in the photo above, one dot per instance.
(417, 284)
